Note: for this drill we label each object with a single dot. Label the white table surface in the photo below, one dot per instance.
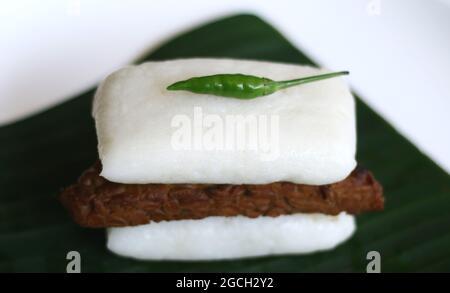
(398, 51)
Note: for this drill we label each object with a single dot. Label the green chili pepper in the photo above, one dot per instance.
(242, 86)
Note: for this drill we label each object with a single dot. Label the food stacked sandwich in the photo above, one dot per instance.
(177, 180)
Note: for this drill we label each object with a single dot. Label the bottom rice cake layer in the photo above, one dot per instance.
(231, 237)
(96, 202)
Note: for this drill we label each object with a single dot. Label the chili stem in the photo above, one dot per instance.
(289, 83)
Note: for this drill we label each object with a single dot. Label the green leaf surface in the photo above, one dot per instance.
(46, 152)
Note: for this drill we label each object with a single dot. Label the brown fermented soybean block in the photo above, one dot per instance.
(97, 202)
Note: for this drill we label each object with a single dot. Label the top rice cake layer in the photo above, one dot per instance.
(147, 134)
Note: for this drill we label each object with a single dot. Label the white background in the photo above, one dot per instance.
(398, 51)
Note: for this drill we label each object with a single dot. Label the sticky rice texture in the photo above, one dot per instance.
(136, 121)
(231, 237)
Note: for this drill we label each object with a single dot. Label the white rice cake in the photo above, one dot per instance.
(307, 137)
(231, 237)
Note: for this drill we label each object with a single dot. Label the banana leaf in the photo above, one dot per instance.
(48, 151)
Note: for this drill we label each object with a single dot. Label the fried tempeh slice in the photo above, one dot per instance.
(96, 202)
